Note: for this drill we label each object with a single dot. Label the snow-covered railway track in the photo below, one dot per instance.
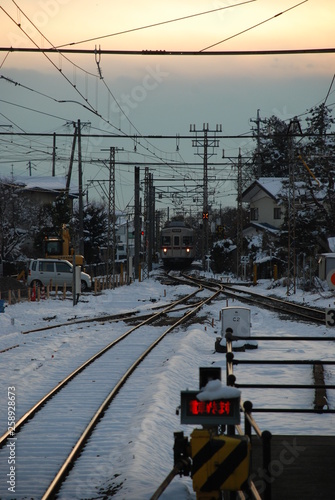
(283, 306)
(317, 371)
(59, 425)
(280, 305)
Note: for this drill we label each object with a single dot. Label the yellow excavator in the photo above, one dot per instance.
(59, 247)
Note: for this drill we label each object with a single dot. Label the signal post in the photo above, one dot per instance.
(219, 463)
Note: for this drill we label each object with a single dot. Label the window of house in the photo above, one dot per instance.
(276, 213)
(254, 214)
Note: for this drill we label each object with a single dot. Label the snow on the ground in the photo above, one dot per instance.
(35, 362)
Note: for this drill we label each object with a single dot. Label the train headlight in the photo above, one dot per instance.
(187, 250)
(164, 250)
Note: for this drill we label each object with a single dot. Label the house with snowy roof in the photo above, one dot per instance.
(44, 190)
(266, 217)
(266, 210)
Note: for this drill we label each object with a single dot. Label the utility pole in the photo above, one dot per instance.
(149, 218)
(258, 122)
(137, 222)
(152, 222)
(68, 179)
(111, 229)
(239, 228)
(112, 205)
(80, 189)
(205, 142)
(54, 155)
(293, 129)
(111, 217)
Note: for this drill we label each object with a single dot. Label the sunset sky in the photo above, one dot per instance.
(157, 94)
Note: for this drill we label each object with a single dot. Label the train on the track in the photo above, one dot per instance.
(177, 245)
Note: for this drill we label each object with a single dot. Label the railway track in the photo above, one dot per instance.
(243, 294)
(53, 433)
(280, 305)
(121, 433)
(320, 367)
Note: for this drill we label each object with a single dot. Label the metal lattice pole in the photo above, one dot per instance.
(293, 129)
(239, 228)
(206, 142)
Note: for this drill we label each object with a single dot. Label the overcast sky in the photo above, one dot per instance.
(157, 94)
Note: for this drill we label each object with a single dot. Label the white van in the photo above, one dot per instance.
(59, 272)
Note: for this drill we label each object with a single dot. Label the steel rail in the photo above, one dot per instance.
(68, 463)
(280, 305)
(284, 306)
(79, 369)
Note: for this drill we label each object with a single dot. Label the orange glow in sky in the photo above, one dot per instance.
(162, 93)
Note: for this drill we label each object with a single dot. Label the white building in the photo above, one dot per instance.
(266, 211)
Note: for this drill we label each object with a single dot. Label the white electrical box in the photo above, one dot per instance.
(237, 319)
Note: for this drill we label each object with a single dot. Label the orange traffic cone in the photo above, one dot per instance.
(43, 293)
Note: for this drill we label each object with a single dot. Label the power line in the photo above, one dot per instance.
(50, 60)
(42, 34)
(327, 50)
(329, 89)
(89, 106)
(255, 26)
(151, 136)
(157, 24)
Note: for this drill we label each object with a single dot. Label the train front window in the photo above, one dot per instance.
(176, 241)
(187, 240)
(166, 240)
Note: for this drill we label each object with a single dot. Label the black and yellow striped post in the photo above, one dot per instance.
(219, 463)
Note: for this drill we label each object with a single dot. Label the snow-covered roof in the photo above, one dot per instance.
(273, 186)
(45, 183)
(264, 226)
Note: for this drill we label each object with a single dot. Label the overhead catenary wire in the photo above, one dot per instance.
(49, 59)
(42, 34)
(89, 107)
(330, 87)
(254, 26)
(154, 25)
(3, 62)
(78, 103)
